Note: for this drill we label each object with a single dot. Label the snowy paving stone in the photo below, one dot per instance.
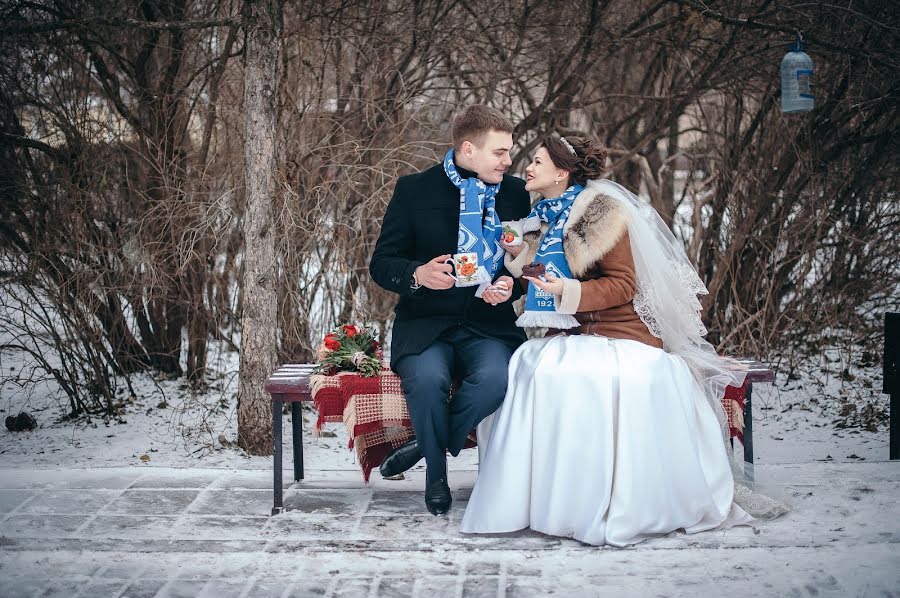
(127, 527)
(248, 480)
(482, 567)
(523, 568)
(386, 502)
(335, 502)
(167, 480)
(480, 587)
(61, 588)
(352, 587)
(10, 499)
(395, 587)
(223, 588)
(23, 587)
(143, 588)
(399, 527)
(258, 565)
(268, 588)
(181, 589)
(99, 589)
(392, 563)
(440, 587)
(63, 565)
(129, 567)
(526, 587)
(168, 566)
(462, 495)
(152, 502)
(521, 540)
(69, 502)
(88, 479)
(233, 502)
(311, 527)
(220, 528)
(41, 526)
(309, 588)
(194, 569)
(51, 479)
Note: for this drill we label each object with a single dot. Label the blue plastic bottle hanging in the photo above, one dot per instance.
(796, 79)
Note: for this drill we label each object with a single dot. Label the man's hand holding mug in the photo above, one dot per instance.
(435, 275)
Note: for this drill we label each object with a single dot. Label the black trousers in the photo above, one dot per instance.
(442, 424)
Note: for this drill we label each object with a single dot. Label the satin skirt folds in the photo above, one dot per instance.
(605, 441)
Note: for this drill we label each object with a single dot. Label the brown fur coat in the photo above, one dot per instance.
(598, 249)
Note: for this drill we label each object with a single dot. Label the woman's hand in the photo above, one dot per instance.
(553, 285)
(498, 292)
(513, 250)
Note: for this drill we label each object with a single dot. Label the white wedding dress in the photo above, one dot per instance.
(605, 441)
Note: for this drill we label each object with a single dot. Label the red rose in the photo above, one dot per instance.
(349, 330)
(331, 342)
(375, 345)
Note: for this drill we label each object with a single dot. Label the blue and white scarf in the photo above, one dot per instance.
(540, 307)
(479, 225)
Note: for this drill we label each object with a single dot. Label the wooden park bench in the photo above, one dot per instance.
(290, 384)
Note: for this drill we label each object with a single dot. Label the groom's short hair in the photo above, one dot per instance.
(474, 122)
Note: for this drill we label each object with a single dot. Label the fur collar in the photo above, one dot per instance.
(596, 223)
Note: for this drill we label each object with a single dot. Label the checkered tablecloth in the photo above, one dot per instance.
(373, 409)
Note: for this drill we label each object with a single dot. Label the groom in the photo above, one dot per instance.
(443, 332)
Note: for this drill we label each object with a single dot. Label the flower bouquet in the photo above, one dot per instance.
(349, 348)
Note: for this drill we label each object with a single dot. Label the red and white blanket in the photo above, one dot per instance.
(373, 409)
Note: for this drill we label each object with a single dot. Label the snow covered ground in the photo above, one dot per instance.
(158, 502)
(162, 532)
(829, 410)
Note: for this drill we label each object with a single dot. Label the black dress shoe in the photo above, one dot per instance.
(400, 459)
(437, 497)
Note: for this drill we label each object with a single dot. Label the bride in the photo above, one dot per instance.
(611, 431)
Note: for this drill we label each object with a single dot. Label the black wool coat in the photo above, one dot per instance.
(421, 223)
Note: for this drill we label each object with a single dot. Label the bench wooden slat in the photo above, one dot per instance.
(295, 377)
(292, 380)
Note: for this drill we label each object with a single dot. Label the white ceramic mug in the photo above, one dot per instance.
(512, 233)
(465, 268)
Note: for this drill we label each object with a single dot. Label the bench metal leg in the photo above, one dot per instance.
(297, 430)
(748, 424)
(894, 448)
(277, 406)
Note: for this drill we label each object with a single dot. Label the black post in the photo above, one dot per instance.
(297, 431)
(892, 377)
(748, 424)
(277, 406)
(895, 426)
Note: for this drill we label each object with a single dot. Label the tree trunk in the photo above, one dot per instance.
(263, 24)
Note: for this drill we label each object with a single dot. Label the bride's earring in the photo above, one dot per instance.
(557, 180)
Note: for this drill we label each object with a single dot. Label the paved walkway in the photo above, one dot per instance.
(171, 532)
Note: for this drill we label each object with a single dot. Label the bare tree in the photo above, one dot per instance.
(134, 237)
(263, 25)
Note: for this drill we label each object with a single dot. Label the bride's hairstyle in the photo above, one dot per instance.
(583, 158)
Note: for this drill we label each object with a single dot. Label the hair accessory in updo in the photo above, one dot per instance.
(568, 145)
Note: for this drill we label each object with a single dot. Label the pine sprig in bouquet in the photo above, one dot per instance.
(350, 348)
